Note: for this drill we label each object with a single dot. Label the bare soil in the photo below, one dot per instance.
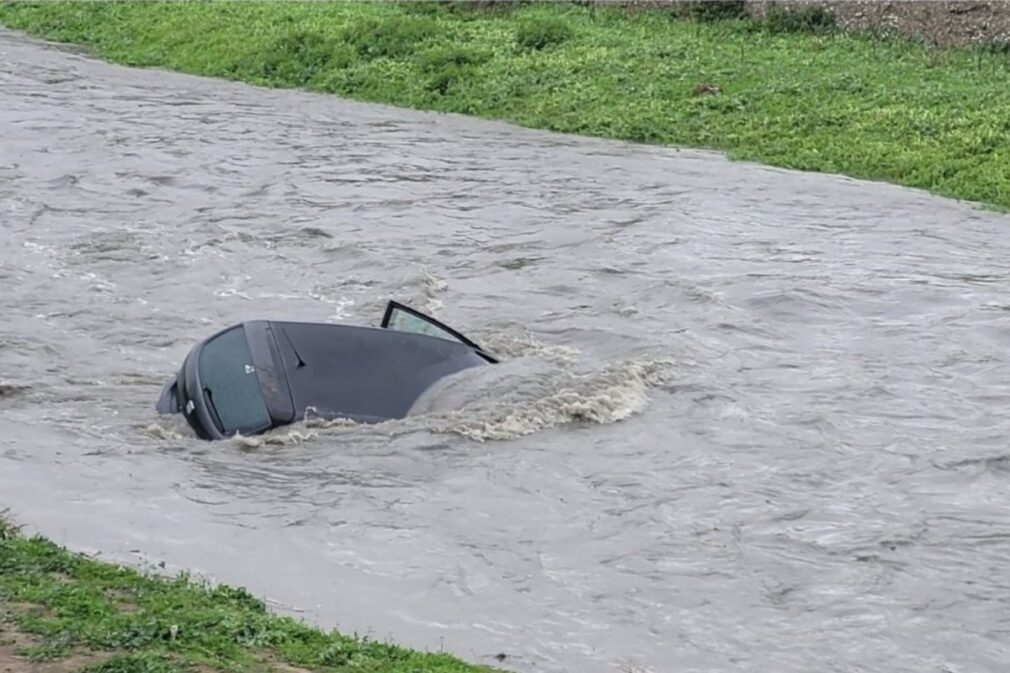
(12, 641)
(942, 23)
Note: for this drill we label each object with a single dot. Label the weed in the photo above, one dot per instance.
(717, 10)
(388, 36)
(540, 32)
(813, 19)
(45, 652)
(462, 8)
(7, 529)
(296, 58)
(995, 47)
(139, 663)
(442, 56)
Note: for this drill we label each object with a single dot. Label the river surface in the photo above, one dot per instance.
(748, 419)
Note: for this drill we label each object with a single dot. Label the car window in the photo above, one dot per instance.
(230, 385)
(403, 320)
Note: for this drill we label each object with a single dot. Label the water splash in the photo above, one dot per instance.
(432, 286)
(612, 395)
(289, 435)
(166, 432)
(516, 342)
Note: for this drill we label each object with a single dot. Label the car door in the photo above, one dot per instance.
(402, 318)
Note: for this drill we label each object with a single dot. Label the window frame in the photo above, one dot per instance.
(394, 306)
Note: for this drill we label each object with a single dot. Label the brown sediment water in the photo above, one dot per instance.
(746, 419)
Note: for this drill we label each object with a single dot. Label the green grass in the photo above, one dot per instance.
(136, 623)
(792, 93)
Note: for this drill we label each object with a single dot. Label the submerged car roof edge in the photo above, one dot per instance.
(465, 343)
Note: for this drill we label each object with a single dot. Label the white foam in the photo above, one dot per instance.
(606, 397)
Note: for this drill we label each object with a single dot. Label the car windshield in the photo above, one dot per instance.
(230, 386)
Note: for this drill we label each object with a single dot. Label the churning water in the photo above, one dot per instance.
(749, 419)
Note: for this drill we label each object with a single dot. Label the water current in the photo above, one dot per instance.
(748, 419)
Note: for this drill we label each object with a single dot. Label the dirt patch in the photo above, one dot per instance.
(9, 610)
(12, 642)
(124, 601)
(944, 23)
(274, 665)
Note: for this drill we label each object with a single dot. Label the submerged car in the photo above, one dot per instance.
(262, 374)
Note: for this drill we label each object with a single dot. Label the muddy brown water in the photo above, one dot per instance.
(748, 419)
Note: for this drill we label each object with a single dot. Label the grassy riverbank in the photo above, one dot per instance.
(62, 612)
(888, 109)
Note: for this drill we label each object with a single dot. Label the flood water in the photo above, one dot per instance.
(747, 419)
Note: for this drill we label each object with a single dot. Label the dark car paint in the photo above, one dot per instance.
(366, 374)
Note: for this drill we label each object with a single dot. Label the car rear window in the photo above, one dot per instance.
(230, 383)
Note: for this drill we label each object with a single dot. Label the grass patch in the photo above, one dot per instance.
(540, 32)
(68, 603)
(138, 663)
(7, 529)
(789, 90)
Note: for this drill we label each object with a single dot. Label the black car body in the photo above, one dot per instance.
(261, 374)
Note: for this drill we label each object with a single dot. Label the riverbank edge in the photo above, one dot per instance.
(971, 186)
(63, 611)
